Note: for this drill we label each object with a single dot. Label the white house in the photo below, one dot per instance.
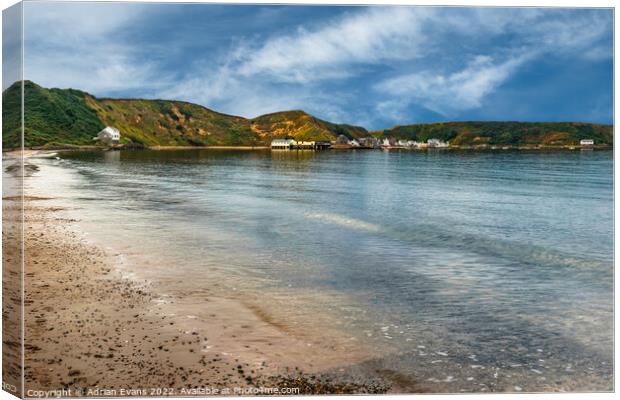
(354, 143)
(436, 143)
(284, 144)
(387, 142)
(586, 142)
(108, 135)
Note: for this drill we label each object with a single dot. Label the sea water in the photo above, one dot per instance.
(461, 271)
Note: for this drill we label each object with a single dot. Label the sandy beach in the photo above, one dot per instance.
(92, 330)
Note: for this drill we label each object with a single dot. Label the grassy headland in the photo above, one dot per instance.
(506, 133)
(65, 117)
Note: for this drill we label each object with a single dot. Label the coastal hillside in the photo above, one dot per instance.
(52, 116)
(57, 117)
(68, 116)
(172, 123)
(504, 133)
(302, 126)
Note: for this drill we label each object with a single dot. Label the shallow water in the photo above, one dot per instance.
(463, 271)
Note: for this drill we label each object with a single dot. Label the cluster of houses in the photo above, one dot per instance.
(412, 144)
(343, 142)
(292, 144)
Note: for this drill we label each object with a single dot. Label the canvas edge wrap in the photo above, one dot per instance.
(13, 215)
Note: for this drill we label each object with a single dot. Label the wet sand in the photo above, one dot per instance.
(92, 330)
(11, 288)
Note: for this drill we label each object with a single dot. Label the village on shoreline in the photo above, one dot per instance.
(343, 143)
(109, 139)
(371, 143)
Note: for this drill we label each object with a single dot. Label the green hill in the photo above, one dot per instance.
(52, 116)
(73, 117)
(67, 116)
(504, 133)
(302, 126)
(172, 123)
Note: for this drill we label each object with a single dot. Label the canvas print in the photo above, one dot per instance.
(232, 199)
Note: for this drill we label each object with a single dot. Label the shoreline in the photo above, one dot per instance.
(109, 330)
(482, 148)
(100, 148)
(207, 147)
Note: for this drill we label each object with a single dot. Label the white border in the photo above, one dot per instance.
(484, 3)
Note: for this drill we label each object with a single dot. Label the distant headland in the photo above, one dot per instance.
(67, 117)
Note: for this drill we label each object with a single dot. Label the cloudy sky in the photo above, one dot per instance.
(373, 66)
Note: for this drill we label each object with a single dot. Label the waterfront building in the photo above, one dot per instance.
(388, 142)
(586, 142)
(322, 145)
(108, 136)
(370, 142)
(436, 143)
(309, 145)
(292, 144)
(283, 144)
(342, 139)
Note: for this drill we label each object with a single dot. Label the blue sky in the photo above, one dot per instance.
(371, 66)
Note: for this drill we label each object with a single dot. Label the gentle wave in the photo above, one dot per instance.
(524, 253)
(431, 236)
(343, 220)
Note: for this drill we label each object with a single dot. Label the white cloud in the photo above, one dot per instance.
(67, 23)
(371, 36)
(447, 93)
(343, 47)
(568, 32)
(77, 45)
(460, 90)
(392, 110)
(287, 71)
(94, 72)
(226, 91)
